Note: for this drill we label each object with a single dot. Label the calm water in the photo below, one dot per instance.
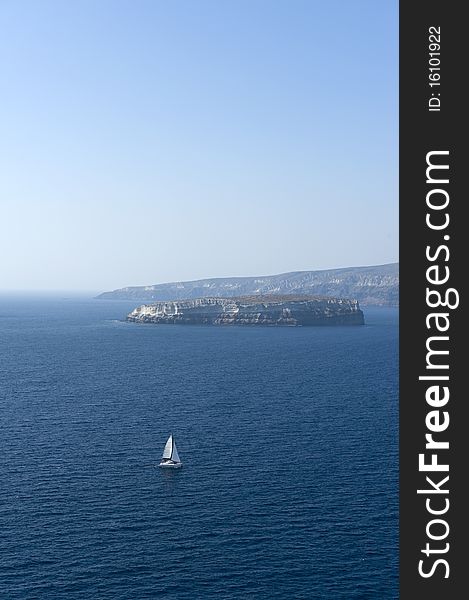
(288, 438)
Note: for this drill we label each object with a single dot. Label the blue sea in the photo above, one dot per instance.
(289, 439)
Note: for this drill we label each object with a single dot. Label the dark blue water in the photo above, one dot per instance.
(289, 441)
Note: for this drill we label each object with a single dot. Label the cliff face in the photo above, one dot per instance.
(377, 286)
(252, 310)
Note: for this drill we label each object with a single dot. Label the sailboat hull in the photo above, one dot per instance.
(170, 464)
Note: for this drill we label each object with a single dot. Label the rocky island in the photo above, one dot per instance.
(252, 310)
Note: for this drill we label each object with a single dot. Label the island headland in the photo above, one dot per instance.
(371, 286)
(286, 310)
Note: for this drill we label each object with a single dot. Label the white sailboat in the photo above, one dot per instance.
(170, 456)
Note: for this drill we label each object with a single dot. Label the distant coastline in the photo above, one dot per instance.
(370, 286)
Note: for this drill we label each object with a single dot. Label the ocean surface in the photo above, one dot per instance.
(289, 439)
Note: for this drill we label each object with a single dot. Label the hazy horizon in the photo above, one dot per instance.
(155, 142)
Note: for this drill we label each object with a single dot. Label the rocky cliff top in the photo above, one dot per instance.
(252, 310)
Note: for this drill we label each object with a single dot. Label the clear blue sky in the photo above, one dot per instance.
(149, 141)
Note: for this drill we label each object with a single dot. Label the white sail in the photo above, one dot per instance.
(175, 455)
(168, 449)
